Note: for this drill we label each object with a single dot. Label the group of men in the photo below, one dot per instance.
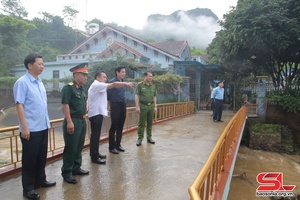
(31, 105)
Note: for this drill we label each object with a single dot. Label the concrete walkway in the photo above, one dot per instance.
(163, 171)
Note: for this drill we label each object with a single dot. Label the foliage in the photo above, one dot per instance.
(266, 128)
(288, 99)
(13, 42)
(196, 52)
(14, 8)
(70, 15)
(7, 82)
(260, 37)
(166, 83)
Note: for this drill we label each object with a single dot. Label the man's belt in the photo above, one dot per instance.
(78, 116)
(146, 103)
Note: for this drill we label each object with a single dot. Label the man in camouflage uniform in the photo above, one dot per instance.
(145, 102)
(73, 99)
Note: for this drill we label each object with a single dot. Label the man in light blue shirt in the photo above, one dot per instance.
(218, 96)
(31, 105)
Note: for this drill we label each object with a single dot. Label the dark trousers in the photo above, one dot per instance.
(212, 105)
(34, 157)
(118, 115)
(218, 109)
(73, 147)
(96, 124)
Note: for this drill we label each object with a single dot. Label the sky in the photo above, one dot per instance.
(199, 32)
(132, 13)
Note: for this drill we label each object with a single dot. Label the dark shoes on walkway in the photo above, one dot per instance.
(120, 149)
(138, 142)
(150, 141)
(81, 172)
(32, 194)
(45, 184)
(98, 161)
(70, 180)
(218, 121)
(48, 184)
(102, 156)
(114, 151)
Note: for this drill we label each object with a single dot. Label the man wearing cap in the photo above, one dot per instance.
(218, 96)
(73, 99)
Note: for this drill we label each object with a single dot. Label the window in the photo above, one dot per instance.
(125, 39)
(55, 80)
(83, 56)
(145, 48)
(167, 59)
(64, 58)
(134, 43)
(70, 57)
(87, 47)
(115, 35)
(76, 56)
(96, 41)
(155, 53)
(104, 34)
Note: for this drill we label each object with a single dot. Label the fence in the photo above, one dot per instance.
(207, 183)
(11, 148)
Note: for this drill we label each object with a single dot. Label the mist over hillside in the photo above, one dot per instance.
(198, 26)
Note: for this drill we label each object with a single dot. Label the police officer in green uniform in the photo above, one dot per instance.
(73, 99)
(145, 103)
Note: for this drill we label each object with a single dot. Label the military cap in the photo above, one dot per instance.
(81, 68)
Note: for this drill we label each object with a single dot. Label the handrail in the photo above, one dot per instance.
(11, 148)
(205, 184)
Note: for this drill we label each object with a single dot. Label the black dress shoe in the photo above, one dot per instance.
(120, 149)
(114, 151)
(102, 156)
(81, 172)
(138, 143)
(98, 161)
(150, 141)
(32, 194)
(70, 180)
(48, 184)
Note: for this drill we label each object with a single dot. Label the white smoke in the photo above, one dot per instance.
(199, 31)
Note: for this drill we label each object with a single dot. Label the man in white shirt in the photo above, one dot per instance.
(97, 108)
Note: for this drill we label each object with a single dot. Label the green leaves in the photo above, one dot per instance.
(260, 37)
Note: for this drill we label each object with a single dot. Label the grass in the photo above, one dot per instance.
(266, 128)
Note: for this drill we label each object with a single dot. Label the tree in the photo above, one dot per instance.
(14, 8)
(70, 15)
(261, 36)
(13, 44)
(96, 21)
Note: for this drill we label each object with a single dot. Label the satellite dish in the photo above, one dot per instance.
(92, 28)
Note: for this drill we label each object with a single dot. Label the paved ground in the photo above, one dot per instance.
(163, 171)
